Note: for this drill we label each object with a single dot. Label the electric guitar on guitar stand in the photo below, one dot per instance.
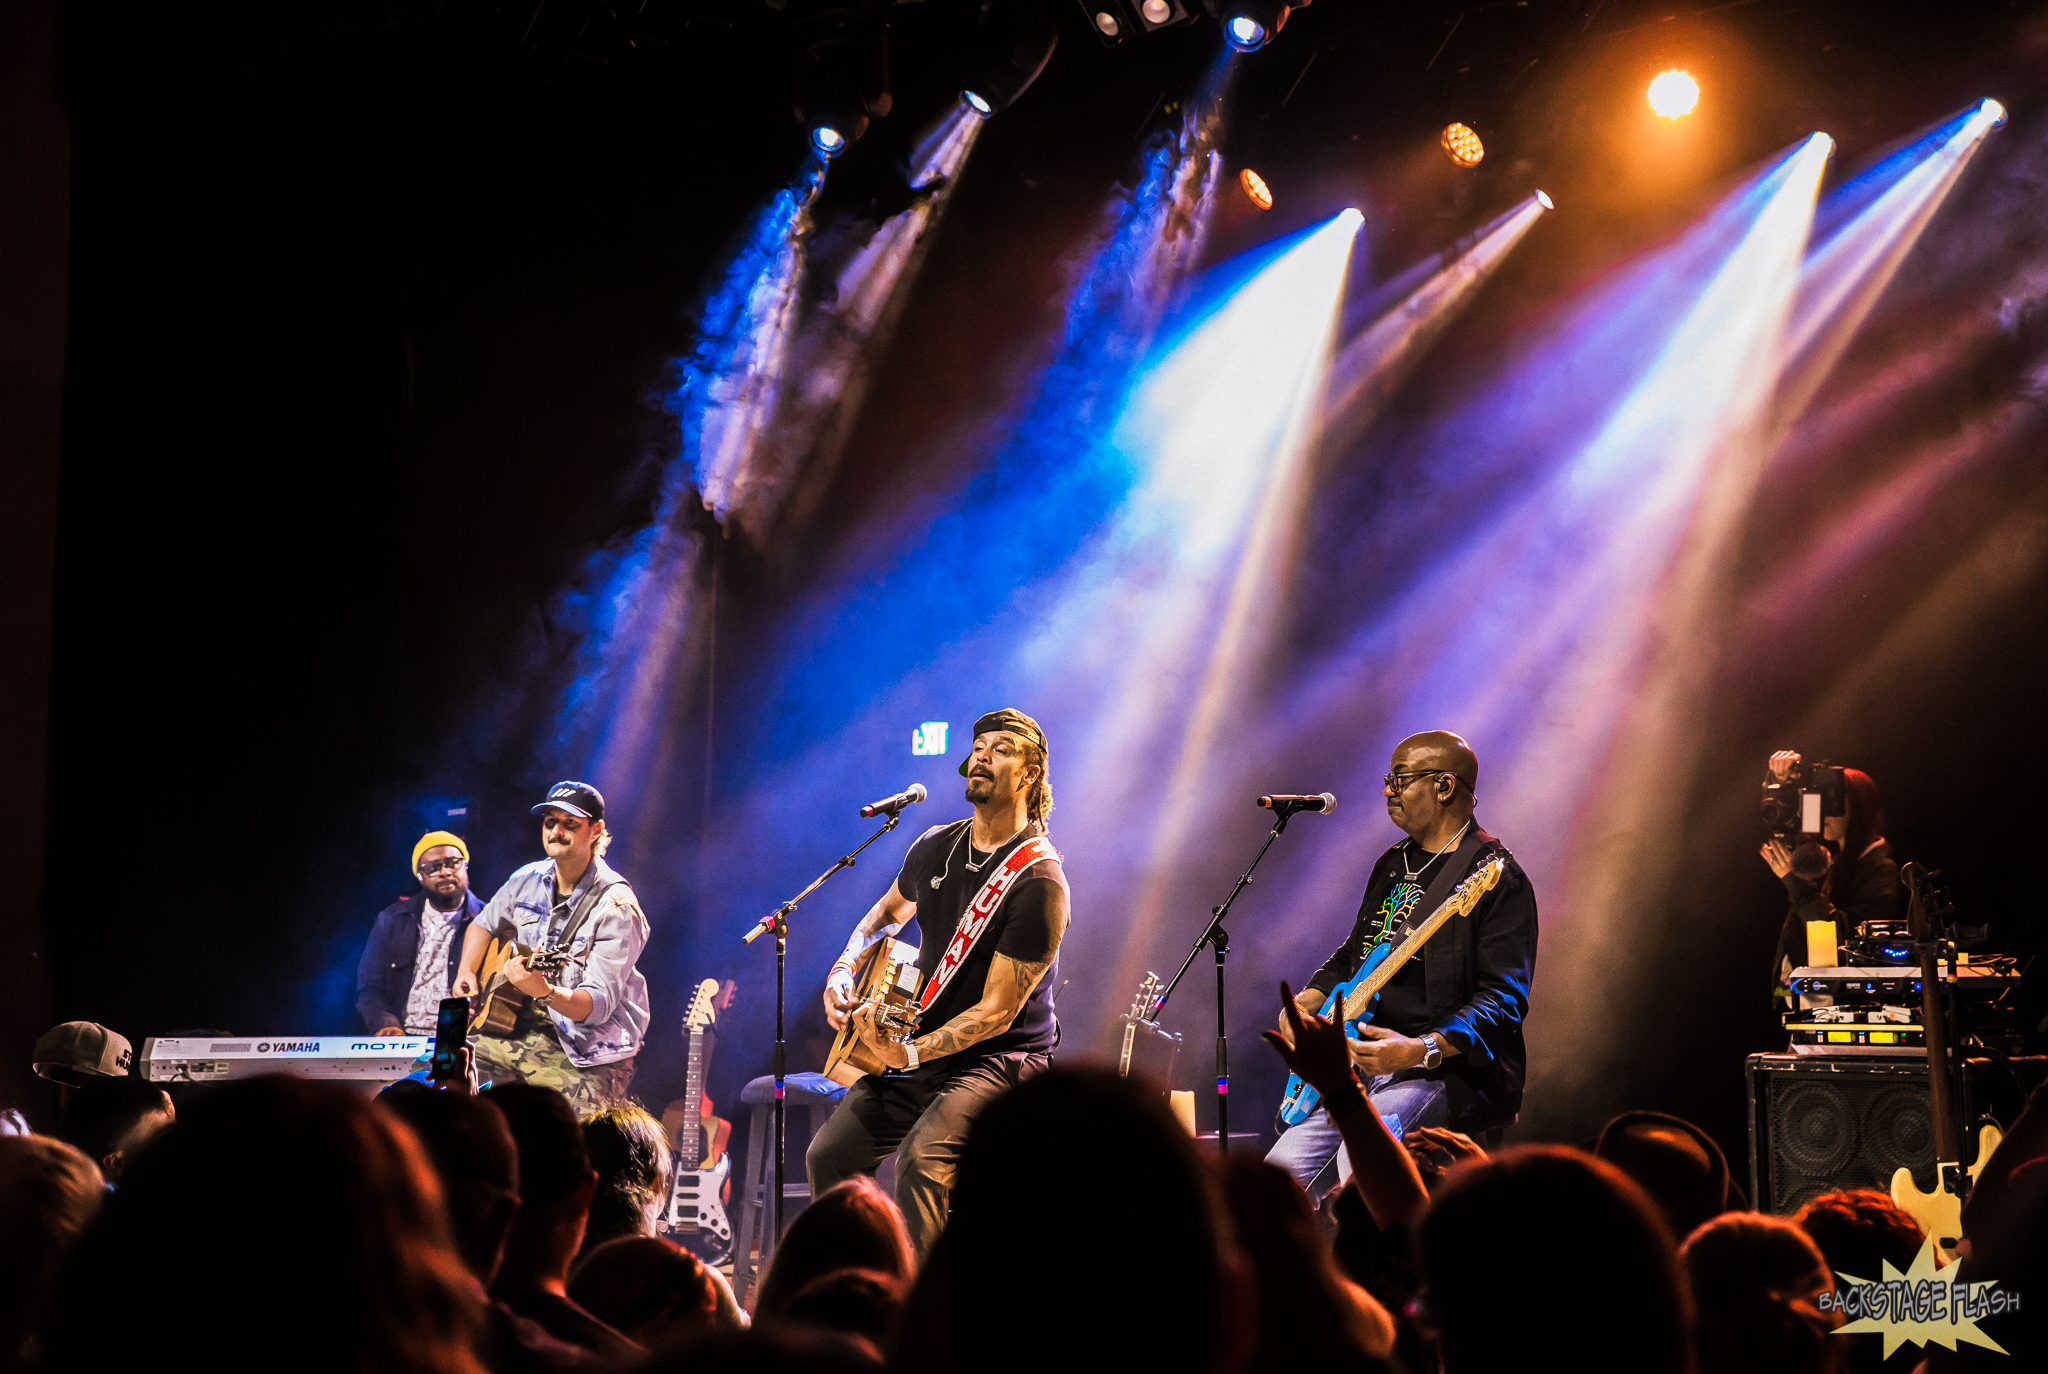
(1940, 1213)
(695, 1217)
(1359, 997)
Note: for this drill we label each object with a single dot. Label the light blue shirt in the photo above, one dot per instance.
(603, 956)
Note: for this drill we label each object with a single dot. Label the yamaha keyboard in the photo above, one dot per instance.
(349, 1058)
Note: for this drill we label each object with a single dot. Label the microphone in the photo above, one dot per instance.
(1324, 802)
(889, 806)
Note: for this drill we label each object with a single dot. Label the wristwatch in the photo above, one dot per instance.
(1432, 1051)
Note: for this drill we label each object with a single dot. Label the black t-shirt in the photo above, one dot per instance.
(1026, 927)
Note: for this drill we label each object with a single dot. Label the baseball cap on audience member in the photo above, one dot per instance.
(77, 1052)
(434, 839)
(576, 798)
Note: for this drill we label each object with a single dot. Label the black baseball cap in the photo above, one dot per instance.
(576, 798)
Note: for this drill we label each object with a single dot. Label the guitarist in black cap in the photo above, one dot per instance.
(1444, 1046)
(579, 1026)
(991, 904)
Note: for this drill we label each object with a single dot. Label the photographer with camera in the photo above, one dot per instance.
(1846, 873)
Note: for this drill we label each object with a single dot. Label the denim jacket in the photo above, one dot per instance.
(384, 974)
(602, 956)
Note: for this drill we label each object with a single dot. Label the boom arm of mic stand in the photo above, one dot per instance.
(780, 916)
(1214, 934)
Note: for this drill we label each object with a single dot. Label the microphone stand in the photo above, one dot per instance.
(1215, 936)
(776, 923)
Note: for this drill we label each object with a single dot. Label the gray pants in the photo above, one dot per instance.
(923, 1117)
(1314, 1151)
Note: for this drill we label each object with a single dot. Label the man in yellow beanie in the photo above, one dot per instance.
(410, 961)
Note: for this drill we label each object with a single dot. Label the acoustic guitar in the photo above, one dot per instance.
(1940, 1213)
(885, 977)
(696, 1218)
(498, 1006)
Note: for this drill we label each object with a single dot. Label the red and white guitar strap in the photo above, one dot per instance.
(981, 911)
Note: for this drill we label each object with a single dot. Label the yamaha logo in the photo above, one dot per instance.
(288, 1047)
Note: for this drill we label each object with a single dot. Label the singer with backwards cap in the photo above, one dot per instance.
(1444, 1046)
(991, 904)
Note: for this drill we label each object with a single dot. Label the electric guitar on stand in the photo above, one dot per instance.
(695, 1217)
(1940, 1213)
(1353, 1003)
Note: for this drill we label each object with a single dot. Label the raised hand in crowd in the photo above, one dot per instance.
(1315, 1047)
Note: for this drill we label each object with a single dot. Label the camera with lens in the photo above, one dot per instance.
(1808, 795)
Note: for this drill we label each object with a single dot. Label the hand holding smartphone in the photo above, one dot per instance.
(450, 1067)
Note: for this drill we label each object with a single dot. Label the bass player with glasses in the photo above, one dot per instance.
(1444, 1044)
(991, 904)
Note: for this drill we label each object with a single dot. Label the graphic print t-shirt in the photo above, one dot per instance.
(1024, 927)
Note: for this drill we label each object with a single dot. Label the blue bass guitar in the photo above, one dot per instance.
(1361, 995)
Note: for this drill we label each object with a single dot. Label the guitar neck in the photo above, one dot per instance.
(1948, 1144)
(1461, 901)
(691, 1143)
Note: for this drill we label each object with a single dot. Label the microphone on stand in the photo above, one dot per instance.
(1324, 802)
(889, 806)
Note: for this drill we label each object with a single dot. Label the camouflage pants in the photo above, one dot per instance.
(537, 1057)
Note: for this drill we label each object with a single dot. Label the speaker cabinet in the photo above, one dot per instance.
(1819, 1121)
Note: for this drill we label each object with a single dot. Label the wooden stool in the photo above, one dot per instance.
(812, 1090)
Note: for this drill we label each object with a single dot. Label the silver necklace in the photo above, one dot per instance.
(1411, 874)
(940, 877)
(972, 866)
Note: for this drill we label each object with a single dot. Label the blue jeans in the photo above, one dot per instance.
(1309, 1150)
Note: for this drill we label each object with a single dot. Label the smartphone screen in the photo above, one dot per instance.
(451, 1030)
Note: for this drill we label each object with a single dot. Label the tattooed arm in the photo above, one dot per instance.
(1009, 986)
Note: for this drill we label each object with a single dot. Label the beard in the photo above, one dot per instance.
(446, 901)
(980, 790)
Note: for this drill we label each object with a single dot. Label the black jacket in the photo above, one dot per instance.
(1475, 979)
(384, 974)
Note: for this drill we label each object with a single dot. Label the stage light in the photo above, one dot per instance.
(1995, 110)
(843, 73)
(1543, 199)
(1256, 188)
(1246, 33)
(1114, 20)
(1462, 145)
(1251, 24)
(1013, 41)
(1673, 94)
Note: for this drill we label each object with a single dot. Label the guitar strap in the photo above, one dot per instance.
(981, 913)
(584, 908)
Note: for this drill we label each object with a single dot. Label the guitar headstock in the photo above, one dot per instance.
(1147, 1000)
(705, 1005)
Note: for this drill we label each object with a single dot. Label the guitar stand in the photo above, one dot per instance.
(1217, 938)
(776, 923)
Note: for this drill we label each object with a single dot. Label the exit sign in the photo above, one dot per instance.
(929, 738)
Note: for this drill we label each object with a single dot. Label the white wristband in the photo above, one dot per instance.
(910, 1048)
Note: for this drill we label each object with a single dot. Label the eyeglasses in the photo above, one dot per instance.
(433, 866)
(1399, 781)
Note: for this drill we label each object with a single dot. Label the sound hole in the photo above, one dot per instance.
(1816, 1132)
(1898, 1126)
